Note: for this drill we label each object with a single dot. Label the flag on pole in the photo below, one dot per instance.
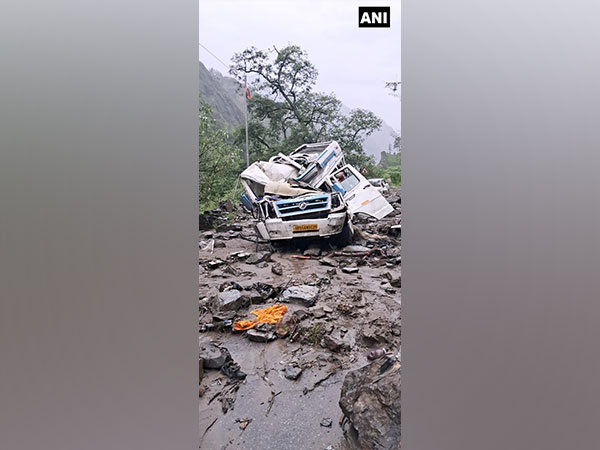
(248, 96)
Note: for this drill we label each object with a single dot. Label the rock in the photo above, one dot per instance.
(337, 341)
(262, 265)
(331, 272)
(220, 244)
(312, 251)
(260, 336)
(303, 294)
(292, 372)
(326, 422)
(258, 257)
(214, 264)
(356, 249)
(237, 227)
(350, 269)
(318, 312)
(277, 269)
(326, 261)
(300, 314)
(231, 300)
(370, 399)
(212, 357)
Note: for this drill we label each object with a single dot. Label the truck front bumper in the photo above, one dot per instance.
(278, 229)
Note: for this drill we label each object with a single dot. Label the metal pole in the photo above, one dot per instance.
(246, 117)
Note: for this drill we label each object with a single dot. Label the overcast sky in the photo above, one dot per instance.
(354, 63)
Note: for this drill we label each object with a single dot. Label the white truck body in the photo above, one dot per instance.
(310, 192)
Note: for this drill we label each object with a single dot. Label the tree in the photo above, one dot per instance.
(219, 161)
(285, 111)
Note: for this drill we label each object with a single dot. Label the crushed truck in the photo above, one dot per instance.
(311, 192)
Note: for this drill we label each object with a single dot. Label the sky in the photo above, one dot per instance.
(354, 63)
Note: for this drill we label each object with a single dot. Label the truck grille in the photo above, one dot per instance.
(302, 206)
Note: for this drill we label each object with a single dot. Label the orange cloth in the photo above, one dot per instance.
(272, 314)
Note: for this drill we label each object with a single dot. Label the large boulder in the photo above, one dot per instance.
(370, 400)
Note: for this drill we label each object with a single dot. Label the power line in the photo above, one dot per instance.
(215, 56)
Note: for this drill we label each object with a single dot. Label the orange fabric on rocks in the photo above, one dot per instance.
(272, 314)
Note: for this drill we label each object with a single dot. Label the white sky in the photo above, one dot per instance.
(354, 63)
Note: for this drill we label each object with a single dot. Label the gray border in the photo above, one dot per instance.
(98, 240)
(501, 255)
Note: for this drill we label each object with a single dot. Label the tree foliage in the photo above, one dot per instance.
(285, 111)
(220, 161)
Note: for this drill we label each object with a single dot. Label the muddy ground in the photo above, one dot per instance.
(356, 310)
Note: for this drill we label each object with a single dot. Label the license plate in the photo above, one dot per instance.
(306, 227)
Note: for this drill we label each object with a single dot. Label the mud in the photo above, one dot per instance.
(354, 313)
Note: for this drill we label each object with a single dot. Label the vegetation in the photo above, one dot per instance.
(285, 111)
(220, 162)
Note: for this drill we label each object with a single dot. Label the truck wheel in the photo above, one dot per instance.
(346, 235)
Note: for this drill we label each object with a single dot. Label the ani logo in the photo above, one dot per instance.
(374, 17)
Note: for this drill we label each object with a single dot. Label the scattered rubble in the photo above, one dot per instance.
(341, 326)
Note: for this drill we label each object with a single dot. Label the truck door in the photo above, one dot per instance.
(360, 195)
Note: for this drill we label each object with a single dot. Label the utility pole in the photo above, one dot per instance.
(246, 116)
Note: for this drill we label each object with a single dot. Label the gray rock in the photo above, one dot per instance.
(350, 269)
(328, 262)
(220, 244)
(318, 312)
(326, 422)
(231, 300)
(292, 372)
(370, 399)
(312, 251)
(355, 249)
(304, 294)
(277, 269)
(211, 356)
(260, 336)
(258, 257)
(262, 265)
(338, 341)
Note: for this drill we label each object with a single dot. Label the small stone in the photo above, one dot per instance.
(258, 257)
(260, 336)
(312, 251)
(326, 422)
(350, 269)
(277, 269)
(262, 265)
(326, 261)
(318, 312)
(355, 249)
(214, 263)
(220, 244)
(292, 372)
(212, 357)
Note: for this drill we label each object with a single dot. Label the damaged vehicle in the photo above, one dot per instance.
(312, 192)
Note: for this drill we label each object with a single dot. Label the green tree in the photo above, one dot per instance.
(285, 111)
(220, 161)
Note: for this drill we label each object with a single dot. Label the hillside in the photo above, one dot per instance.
(225, 95)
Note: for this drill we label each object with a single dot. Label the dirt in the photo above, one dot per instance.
(354, 313)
